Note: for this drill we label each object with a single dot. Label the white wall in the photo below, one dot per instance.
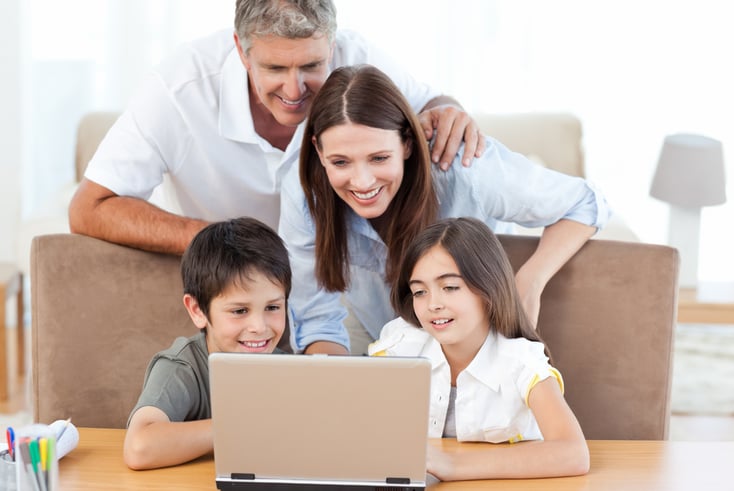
(11, 122)
(633, 71)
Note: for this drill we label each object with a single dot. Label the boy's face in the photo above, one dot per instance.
(247, 317)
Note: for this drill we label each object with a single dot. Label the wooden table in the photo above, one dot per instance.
(615, 465)
(708, 303)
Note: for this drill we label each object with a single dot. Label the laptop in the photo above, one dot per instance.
(312, 422)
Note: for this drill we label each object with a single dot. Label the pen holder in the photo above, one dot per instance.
(36, 460)
(7, 472)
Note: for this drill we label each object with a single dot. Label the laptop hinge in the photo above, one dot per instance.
(242, 476)
(397, 480)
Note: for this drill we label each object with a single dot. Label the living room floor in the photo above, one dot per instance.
(17, 411)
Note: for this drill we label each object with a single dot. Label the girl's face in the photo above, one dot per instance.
(445, 306)
(248, 317)
(364, 166)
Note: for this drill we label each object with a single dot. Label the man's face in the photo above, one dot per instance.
(285, 74)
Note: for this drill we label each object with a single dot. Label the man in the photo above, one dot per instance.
(223, 123)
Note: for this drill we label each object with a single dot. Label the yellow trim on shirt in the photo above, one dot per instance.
(536, 379)
(516, 438)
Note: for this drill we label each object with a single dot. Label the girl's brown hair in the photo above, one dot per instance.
(484, 267)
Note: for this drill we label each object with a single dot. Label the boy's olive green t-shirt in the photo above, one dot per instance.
(177, 381)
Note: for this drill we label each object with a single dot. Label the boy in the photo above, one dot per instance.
(236, 277)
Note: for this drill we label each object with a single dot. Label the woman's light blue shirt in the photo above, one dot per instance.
(500, 188)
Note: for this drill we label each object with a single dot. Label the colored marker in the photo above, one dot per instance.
(36, 463)
(43, 450)
(27, 463)
(10, 436)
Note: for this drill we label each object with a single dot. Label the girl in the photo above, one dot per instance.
(491, 380)
(367, 187)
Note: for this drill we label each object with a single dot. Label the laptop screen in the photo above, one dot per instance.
(305, 419)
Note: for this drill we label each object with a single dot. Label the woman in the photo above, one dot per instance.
(367, 188)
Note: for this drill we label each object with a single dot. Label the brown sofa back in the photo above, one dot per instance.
(100, 311)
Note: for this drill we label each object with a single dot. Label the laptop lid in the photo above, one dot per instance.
(306, 422)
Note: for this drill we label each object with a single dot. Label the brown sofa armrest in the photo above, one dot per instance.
(608, 317)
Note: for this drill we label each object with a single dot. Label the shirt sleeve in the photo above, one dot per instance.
(316, 315)
(146, 141)
(535, 369)
(509, 187)
(169, 387)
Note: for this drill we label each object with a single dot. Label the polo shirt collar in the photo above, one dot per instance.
(235, 117)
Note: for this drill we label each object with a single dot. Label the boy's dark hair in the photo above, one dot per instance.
(228, 252)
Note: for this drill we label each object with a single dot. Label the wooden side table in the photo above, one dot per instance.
(709, 303)
(11, 284)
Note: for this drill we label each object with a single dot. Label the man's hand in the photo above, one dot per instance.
(452, 126)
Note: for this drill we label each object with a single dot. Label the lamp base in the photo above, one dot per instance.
(683, 233)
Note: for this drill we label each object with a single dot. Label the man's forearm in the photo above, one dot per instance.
(136, 223)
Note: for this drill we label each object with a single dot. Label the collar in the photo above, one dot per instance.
(485, 366)
(235, 117)
(434, 353)
(361, 226)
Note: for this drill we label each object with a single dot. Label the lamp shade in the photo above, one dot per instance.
(690, 171)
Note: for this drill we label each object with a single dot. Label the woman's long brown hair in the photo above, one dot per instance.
(364, 95)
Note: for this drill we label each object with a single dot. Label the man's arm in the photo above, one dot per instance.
(98, 212)
(452, 126)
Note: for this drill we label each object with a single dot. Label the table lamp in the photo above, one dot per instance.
(689, 175)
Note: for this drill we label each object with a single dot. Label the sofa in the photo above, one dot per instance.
(101, 310)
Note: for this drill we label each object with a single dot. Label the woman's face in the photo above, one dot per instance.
(364, 166)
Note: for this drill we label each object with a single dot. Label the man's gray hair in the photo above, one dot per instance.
(291, 19)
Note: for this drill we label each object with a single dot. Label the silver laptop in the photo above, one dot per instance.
(308, 422)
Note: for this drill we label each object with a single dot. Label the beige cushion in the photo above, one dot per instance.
(554, 139)
(91, 130)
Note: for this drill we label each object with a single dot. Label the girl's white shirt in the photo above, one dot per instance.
(492, 392)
